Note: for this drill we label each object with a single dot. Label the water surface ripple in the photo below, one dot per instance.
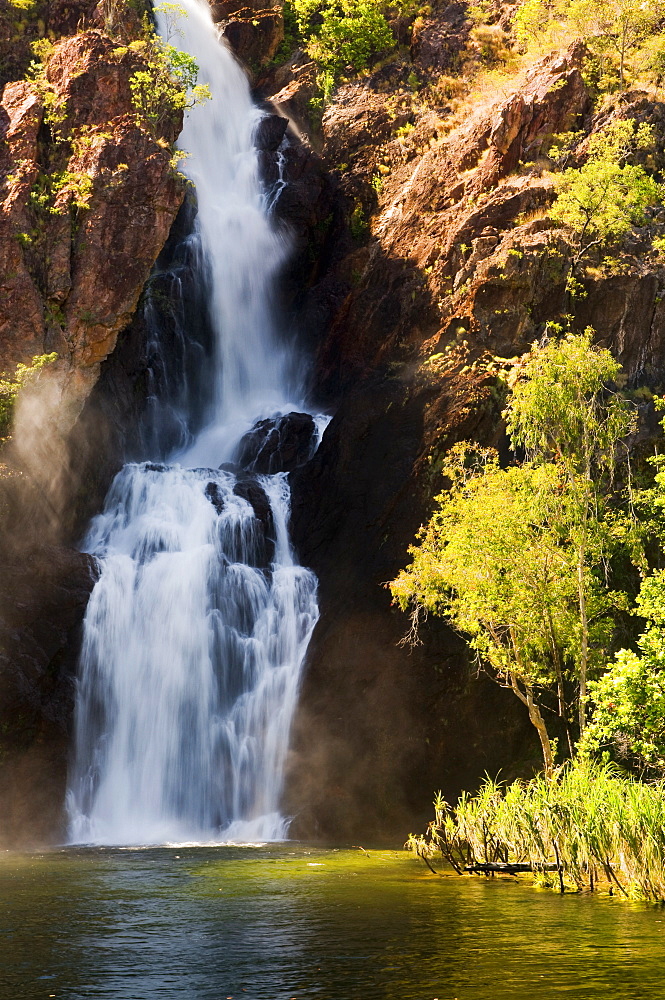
(288, 921)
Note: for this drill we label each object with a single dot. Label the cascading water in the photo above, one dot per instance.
(196, 631)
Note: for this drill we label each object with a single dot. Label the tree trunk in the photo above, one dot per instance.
(536, 719)
(584, 649)
(556, 658)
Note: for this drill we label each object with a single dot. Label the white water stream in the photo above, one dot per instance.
(196, 631)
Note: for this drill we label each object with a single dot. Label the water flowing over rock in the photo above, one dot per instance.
(278, 444)
(196, 631)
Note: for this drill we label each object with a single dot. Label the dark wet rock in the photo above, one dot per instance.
(270, 132)
(251, 491)
(41, 608)
(155, 467)
(229, 467)
(214, 495)
(278, 444)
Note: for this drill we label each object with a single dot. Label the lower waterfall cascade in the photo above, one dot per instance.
(197, 628)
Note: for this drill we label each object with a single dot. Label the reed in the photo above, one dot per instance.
(589, 820)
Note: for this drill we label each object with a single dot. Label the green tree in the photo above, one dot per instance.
(602, 200)
(628, 701)
(340, 33)
(564, 411)
(516, 559)
(168, 83)
(619, 28)
(490, 562)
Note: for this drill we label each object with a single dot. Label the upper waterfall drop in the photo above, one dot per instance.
(254, 370)
(196, 631)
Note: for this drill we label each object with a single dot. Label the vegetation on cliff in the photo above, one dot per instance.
(624, 36)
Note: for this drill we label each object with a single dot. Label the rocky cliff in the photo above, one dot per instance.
(451, 257)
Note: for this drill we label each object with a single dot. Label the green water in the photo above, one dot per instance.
(287, 921)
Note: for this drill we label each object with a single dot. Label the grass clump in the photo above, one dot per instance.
(589, 822)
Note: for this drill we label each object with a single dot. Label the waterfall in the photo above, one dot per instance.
(196, 631)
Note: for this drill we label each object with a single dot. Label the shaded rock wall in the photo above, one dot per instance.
(457, 257)
(44, 596)
(380, 725)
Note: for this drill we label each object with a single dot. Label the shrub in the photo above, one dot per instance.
(602, 200)
(340, 33)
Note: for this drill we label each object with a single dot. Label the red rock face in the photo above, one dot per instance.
(254, 30)
(435, 210)
(21, 317)
(74, 272)
(130, 214)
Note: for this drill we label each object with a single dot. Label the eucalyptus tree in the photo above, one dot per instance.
(564, 410)
(491, 563)
(515, 558)
(616, 28)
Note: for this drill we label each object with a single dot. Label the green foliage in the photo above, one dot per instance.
(57, 192)
(652, 57)
(628, 701)
(167, 85)
(564, 411)
(531, 22)
(504, 592)
(588, 821)
(55, 106)
(12, 384)
(20, 22)
(615, 30)
(561, 409)
(358, 224)
(115, 13)
(341, 33)
(603, 199)
(515, 558)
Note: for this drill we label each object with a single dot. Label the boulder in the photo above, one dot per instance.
(278, 444)
(269, 133)
(214, 495)
(252, 491)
